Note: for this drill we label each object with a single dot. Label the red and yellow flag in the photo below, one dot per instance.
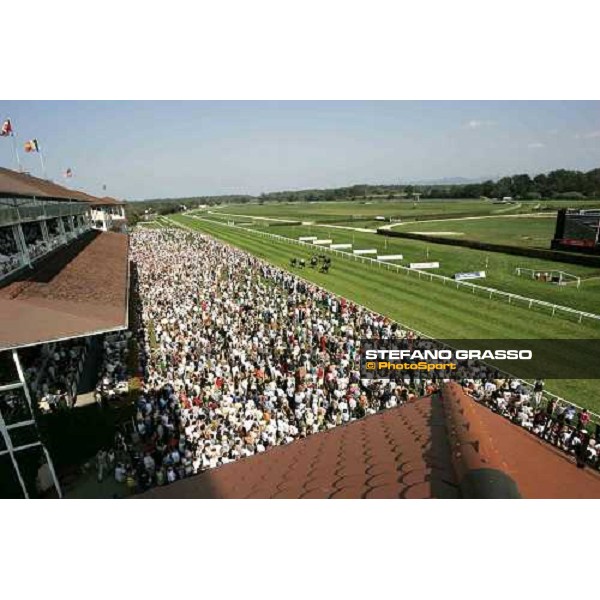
(32, 146)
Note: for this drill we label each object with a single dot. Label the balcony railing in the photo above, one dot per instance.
(37, 211)
(37, 249)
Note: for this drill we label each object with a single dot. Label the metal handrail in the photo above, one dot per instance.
(37, 211)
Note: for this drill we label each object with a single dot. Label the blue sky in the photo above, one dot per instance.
(151, 149)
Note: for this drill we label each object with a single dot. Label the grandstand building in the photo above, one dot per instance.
(64, 287)
(108, 214)
(64, 275)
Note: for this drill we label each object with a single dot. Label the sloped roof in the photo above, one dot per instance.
(428, 448)
(78, 290)
(483, 438)
(539, 469)
(399, 453)
(109, 200)
(13, 183)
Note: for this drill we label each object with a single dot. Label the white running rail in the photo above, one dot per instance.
(547, 395)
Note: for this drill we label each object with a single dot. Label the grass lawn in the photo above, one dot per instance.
(357, 210)
(436, 310)
(361, 209)
(499, 268)
(534, 232)
(242, 220)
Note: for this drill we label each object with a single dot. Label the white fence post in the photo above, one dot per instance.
(424, 335)
(530, 302)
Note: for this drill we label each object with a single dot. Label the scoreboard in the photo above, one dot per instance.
(577, 231)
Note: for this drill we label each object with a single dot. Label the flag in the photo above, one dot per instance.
(68, 173)
(6, 128)
(32, 146)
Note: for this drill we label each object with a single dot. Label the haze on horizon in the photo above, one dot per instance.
(154, 149)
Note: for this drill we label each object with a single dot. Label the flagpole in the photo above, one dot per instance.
(43, 165)
(16, 151)
(8, 131)
(14, 143)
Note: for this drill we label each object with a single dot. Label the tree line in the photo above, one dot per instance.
(561, 183)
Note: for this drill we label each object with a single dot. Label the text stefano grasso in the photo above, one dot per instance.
(445, 354)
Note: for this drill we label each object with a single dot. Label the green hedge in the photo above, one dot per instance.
(283, 223)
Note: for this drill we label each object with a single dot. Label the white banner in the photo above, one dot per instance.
(322, 242)
(472, 275)
(390, 257)
(308, 238)
(368, 251)
(425, 265)
(340, 246)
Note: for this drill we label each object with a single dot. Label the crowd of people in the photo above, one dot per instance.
(9, 253)
(55, 237)
(113, 379)
(10, 256)
(34, 239)
(555, 422)
(239, 356)
(53, 375)
(53, 371)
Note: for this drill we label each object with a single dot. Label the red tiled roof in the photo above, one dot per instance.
(109, 200)
(13, 183)
(400, 453)
(539, 469)
(18, 184)
(76, 291)
(423, 449)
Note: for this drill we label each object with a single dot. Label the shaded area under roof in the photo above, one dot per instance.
(78, 290)
(399, 453)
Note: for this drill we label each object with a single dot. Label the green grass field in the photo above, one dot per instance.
(359, 210)
(325, 212)
(533, 232)
(500, 268)
(242, 220)
(440, 311)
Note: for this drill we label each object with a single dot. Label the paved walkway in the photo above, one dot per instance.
(361, 229)
(218, 212)
(89, 376)
(88, 487)
(455, 219)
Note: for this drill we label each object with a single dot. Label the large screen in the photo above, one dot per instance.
(577, 230)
